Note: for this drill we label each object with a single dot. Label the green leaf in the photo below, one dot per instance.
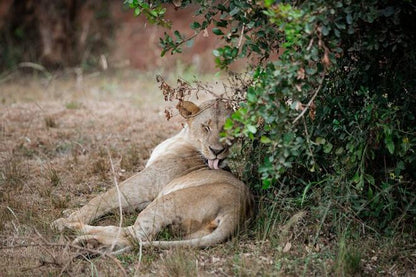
(190, 43)
(325, 30)
(251, 128)
(237, 116)
(234, 11)
(144, 5)
(308, 29)
(370, 179)
(389, 143)
(266, 183)
(311, 70)
(389, 11)
(162, 11)
(228, 124)
(153, 13)
(349, 19)
(370, 193)
(328, 147)
(177, 35)
(234, 52)
(268, 3)
(356, 178)
(304, 193)
(265, 140)
(320, 140)
(221, 23)
(251, 97)
(217, 31)
(195, 25)
(339, 150)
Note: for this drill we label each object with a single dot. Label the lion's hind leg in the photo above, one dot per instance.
(103, 238)
(203, 230)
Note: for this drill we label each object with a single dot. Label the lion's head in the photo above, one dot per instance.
(205, 123)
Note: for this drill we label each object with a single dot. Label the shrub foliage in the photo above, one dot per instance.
(331, 107)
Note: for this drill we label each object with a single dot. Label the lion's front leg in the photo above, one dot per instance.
(160, 213)
(136, 192)
(149, 222)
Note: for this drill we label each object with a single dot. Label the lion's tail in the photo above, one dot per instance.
(224, 230)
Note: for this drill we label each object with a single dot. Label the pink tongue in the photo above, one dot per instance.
(213, 164)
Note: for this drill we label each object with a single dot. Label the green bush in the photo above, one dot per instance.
(352, 66)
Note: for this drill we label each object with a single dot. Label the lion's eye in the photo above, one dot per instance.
(206, 128)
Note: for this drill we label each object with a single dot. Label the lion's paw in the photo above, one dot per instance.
(102, 243)
(59, 224)
(89, 241)
(68, 212)
(63, 223)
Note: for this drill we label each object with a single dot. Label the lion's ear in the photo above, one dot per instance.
(187, 108)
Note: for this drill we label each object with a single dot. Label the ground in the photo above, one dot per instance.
(60, 136)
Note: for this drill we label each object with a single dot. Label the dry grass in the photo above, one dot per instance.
(55, 136)
(53, 145)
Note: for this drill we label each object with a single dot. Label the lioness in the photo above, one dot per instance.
(182, 185)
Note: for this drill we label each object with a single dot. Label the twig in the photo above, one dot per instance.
(140, 251)
(318, 231)
(404, 213)
(65, 267)
(115, 260)
(309, 45)
(14, 226)
(42, 263)
(309, 103)
(5, 76)
(308, 140)
(241, 36)
(44, 248)
(119, 201)
(185, 40)
(35, 66)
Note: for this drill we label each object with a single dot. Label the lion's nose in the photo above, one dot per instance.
(216, 151)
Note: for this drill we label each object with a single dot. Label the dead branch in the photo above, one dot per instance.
(309, 103)
(234, 90)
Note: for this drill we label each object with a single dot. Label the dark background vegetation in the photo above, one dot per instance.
(74, 33)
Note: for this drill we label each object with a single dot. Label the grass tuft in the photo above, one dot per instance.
(348, 261)
(13, 173)
(50, 122)
(130, 159)
(53, 177)
(73, 105)
(180, 262)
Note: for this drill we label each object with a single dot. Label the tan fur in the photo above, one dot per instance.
(176, 188)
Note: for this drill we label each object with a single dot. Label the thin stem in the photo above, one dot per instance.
(119, 200)
(309, 103)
